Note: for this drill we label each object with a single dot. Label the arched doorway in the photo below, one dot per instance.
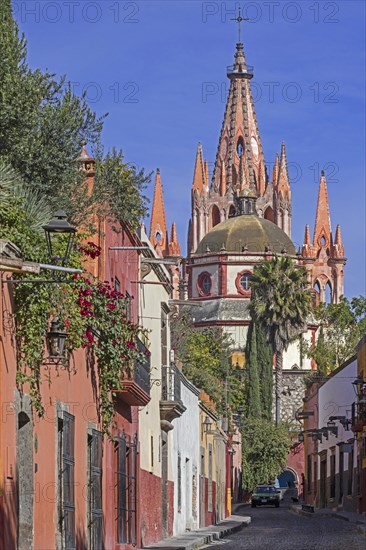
(288, 479)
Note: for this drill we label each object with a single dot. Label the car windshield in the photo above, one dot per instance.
(265, 489)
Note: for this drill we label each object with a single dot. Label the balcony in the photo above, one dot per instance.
(359, 415)
(171, 405)
(135, 389)
(240, 71)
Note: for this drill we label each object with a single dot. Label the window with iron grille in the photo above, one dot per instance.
(209, 491)
(341, 468)
(128, 306)
(332, 475)
(309, 473)
(66, 465)
(95, 472)
(350, 473)
(179, 483)
(126, 468)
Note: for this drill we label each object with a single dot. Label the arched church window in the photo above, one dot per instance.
(158, 237)
(204, 284)
(232, 211)
(268, 214)
(240, 147)
(323, 240)
(328, 293)
(215, 215)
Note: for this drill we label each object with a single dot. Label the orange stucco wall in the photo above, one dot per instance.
(75, 390)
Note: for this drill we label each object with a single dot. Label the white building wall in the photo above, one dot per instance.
(213, 271)
(150, 299)
(335, 399)
(185, 442)
(232, 273)
(291, 356)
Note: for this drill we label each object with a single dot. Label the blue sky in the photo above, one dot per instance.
(159, 69)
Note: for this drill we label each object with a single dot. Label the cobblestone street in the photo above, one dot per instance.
(279, 529)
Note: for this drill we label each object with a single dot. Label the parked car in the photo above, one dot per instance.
(265, 494)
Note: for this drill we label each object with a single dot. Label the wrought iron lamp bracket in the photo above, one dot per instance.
(155, 382)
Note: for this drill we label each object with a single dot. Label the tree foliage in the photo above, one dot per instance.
(280, 301)
(265, 450)
(259, 374)
(265, 372)
(253, 401)
(42, 124)
(84, 307)
(280, 304)
(205, 357)
(42, 127)
(14, 192)
(118, 190)
(22, 214)
(342, 325)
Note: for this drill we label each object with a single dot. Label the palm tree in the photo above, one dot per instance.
(280, 304)
(36, 208)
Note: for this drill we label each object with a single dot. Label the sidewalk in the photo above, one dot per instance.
(358, 519)
(196, 539)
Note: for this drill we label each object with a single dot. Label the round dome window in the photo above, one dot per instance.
(204, 284)
(245, 281)
(242, 283)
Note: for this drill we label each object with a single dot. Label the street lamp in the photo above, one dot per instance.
(207, 424)
(56, 227)
(56, 338)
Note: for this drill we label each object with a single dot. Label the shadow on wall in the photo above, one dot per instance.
(81, 539)
(8, 514)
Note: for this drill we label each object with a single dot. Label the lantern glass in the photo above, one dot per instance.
(207, 424)
(56, 339)
(53, 230)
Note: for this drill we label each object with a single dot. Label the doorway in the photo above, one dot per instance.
(323, 484)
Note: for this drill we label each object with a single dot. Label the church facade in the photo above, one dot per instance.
(239, 219)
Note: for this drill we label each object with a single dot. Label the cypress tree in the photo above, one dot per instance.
(253, 404)
(265, 372)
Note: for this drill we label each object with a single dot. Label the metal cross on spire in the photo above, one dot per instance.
(239, 19)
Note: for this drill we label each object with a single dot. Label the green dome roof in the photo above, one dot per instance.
(252, 232)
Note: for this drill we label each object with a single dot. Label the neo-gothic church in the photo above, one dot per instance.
(240, 218)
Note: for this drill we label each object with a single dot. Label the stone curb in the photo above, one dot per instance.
(201, 537)
(360, 524)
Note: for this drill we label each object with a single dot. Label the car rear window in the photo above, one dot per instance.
(264, 489)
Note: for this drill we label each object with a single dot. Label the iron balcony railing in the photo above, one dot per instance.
(249, 69)
(358, 412)
(141, 372)
(171, 383)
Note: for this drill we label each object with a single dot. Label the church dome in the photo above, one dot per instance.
(247, 233)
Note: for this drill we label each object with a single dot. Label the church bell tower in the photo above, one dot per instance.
(239, 164)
